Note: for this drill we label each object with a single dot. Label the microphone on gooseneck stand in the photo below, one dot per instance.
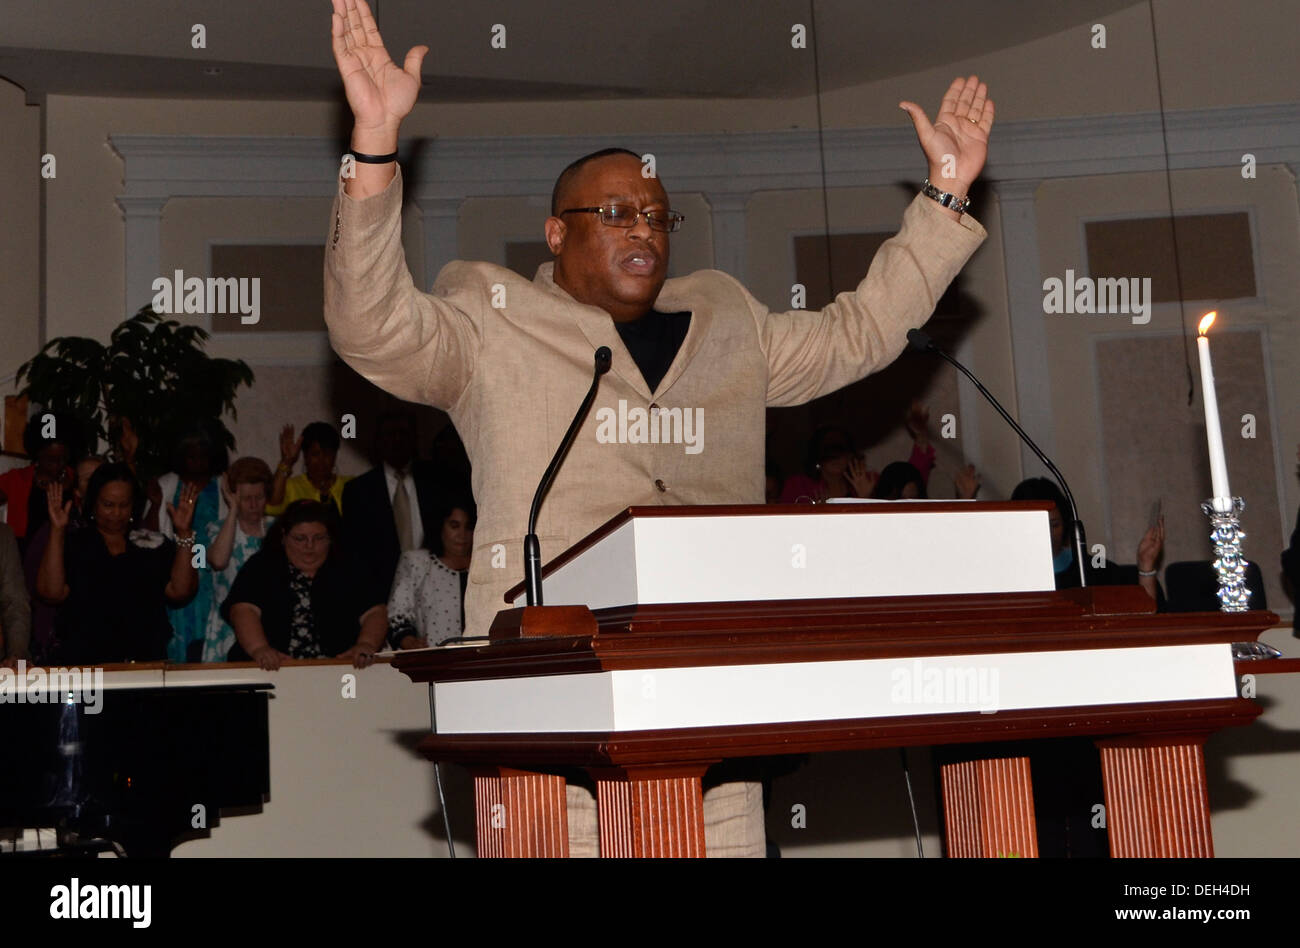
(922, 342)
(532, 547)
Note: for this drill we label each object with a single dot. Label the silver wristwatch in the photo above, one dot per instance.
(945, 198)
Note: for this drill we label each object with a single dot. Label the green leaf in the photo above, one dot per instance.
(153, 371)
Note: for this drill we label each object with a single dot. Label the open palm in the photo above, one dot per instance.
(961, 130)
(379, 93)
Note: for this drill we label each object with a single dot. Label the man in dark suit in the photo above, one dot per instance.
(1291, 562)
(389, 508)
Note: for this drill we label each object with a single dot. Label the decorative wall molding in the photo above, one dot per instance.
(742, 162)
(727, 168)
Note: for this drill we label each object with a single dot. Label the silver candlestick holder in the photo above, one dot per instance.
(1229, 563)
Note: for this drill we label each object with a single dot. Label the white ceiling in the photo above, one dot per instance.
(554, 50)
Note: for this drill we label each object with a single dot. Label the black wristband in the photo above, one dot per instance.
(373, 159)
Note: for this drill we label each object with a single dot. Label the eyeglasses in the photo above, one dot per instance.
(625, 215)
(308, 540)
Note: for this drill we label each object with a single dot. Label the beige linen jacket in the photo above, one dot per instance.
(510, 359)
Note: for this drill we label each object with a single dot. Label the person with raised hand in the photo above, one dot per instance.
(114, 582)
(379, 92)
(245, 488)
(508, 358)
(957, 144)
(319, 447)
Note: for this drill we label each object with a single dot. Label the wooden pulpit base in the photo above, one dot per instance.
(520, 814)
(988, 808)
(1157, 806)
(648, 782)
(651, 812)
(1156, 800)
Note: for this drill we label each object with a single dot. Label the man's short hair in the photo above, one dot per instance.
(569, 173)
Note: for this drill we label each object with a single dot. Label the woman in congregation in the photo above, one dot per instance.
(113, 582)
(427, 604)
(199, 458)
(53, 443)
(295, 598)
(44, 643)
(833, 469)
(319, 447)
(231, 543)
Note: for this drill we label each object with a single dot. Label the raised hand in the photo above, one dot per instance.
(183, 515)
(57, 508)
(289, 446)
(379, 93)
(227, 493)
(917, 421)
(861, 478)
(1151, 546)
(967, 482)
(961, 130)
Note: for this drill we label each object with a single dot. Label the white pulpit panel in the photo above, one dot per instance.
(730, 695)
(885, 550)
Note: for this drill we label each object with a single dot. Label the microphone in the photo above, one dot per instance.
(922, 342)
(532, 546)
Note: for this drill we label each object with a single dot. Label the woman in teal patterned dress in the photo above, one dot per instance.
(245, 489)
(199, 459)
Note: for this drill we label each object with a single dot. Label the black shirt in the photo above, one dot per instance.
(338, 602)
(116, 609)
(653, 341)
(38, 513)
(1291, 566)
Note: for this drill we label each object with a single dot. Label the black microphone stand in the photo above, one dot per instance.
(532, 546)
(922, 342)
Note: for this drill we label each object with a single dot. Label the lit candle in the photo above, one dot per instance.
(1222, 498)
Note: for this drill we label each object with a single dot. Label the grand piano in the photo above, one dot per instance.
(152, 765)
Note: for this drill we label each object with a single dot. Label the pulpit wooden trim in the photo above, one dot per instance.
(841, 629)
(1267, 666)
(546, 751)
(529, 622)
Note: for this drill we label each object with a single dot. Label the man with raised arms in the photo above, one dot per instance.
(510, 359)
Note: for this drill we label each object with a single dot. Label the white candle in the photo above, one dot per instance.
(1222, 498)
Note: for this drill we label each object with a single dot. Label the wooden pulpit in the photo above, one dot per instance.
(686, 636)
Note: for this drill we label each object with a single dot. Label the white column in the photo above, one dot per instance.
(1019, 219)
(728, 214)
(143, 248)
(441, 220)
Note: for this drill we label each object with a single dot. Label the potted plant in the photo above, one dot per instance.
(153, 379)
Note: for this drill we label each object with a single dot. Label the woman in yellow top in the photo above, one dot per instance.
(319, 446)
